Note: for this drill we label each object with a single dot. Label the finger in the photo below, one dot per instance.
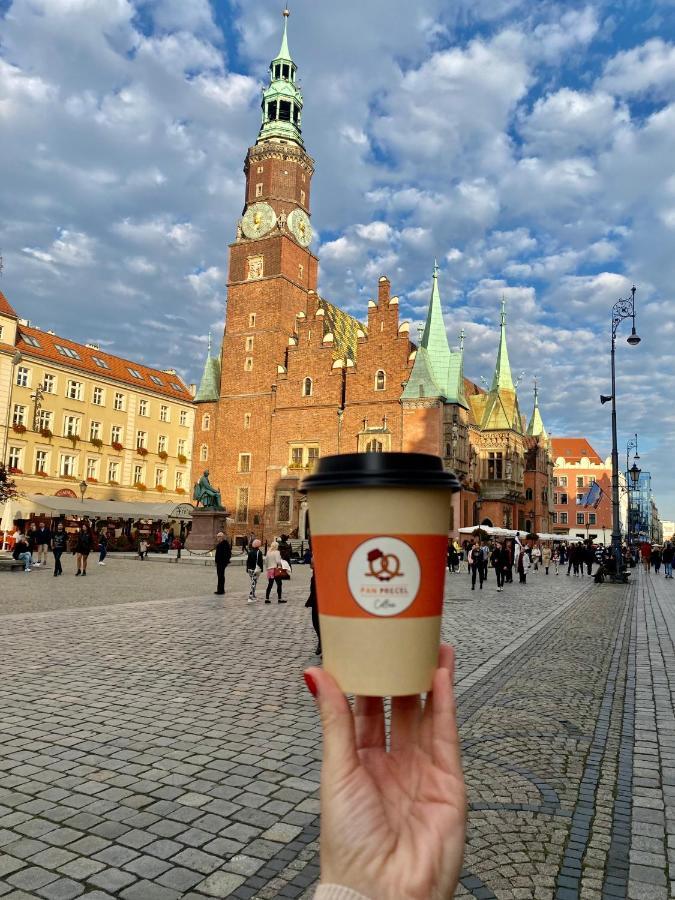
(406, 718)
(446, 661)
(339, 740)
(369, 723)
(445, 736)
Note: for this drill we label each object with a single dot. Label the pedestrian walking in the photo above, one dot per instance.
(102, 548)
(276, 572)
(21, 550)
(667, 557)
(43, 537)
(485, 559)
(546, 557)
(223, 555)
(646, 553)
(254, 566)
(313, 606)
(500, 563)
(656, 559)
(555, 559)
(82, 549)
(536, 557)
(523, 566)
(59, 547)
(476, 565)
(589, 558)
(453, 559)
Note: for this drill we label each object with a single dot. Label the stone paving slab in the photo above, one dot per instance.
(169, 748)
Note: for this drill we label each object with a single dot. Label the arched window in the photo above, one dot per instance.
(206, 422)
(380, 380)
(528, 494)
(307, 387)
(374, 446)
(203, 453)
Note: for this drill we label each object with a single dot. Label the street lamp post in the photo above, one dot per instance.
(83, 489)
(622, 309)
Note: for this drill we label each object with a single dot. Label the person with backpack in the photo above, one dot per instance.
(223, 555)
(254, 566)
(59, 547)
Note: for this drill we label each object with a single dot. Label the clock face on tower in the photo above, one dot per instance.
(258, 220)
(298, 224)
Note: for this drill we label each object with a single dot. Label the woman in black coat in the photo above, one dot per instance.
(82, 549)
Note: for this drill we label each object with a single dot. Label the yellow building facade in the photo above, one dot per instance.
(73, 415)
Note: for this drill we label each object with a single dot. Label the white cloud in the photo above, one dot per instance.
(649, 68)
(71, 248)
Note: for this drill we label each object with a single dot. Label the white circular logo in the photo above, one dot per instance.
(384, 576)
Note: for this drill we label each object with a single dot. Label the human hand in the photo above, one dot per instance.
(392, 821)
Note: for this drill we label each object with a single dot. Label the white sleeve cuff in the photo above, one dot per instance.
(336, 892)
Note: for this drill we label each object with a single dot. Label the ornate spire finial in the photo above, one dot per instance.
(536, 391)
(286, 13)
(435, 268)
(503, 310)
(209, 350)
(462, 335)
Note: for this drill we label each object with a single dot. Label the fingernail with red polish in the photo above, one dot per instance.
(311, 684)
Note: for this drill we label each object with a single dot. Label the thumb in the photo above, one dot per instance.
(337, 721)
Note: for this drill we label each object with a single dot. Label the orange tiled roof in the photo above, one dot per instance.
(6, 308)
(115, 367)
(572, 449)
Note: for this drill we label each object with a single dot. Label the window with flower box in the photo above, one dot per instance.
(41, 460)
(19, 414)
(15, 454)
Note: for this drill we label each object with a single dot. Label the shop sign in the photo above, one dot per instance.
(66, 492)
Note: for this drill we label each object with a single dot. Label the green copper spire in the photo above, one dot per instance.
(536, 426)
(502, 378)
(285, 53)
(437, 372)
(282, 99)
(209, 386)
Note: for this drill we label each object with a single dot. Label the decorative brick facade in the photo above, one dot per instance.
(300, 378)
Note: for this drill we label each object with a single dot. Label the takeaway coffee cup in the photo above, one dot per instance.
(379, 524)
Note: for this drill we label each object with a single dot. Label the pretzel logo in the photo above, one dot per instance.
(383, 566)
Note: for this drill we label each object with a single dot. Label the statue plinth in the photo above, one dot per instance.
(206, 523)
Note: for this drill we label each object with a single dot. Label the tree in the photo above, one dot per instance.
(7, 485)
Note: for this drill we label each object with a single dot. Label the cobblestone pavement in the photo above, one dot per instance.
(169, 749)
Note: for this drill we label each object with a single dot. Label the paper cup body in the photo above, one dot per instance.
(379, 557)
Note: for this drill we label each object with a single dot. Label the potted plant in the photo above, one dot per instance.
(46, 433)
(117, 446)
(97, 442)
(182, 459)
(92, 480)
(14, 470)
(113, 482)
(140, 486)
(74, 439)
(18, 428)
(160, 488)
(41, 473)
(163, 455)
(142, 451)
(180, 490)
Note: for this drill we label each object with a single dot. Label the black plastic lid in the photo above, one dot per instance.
(380, 470)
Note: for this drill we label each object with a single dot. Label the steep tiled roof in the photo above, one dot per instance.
(6, 308)
(572, 449)
(113, 367)
(344, 328)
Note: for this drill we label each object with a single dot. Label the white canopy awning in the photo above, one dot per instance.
(22, 507)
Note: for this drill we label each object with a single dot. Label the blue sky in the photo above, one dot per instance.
(528, 146)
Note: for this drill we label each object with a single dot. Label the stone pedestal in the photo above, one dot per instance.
(206, 523)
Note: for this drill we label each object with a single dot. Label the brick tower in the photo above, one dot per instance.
(271, 271)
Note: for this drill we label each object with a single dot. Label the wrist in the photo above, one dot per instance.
(337, 892)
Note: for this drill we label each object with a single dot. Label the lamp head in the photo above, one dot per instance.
(635, 471)
(605, 398)
(633, 339)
